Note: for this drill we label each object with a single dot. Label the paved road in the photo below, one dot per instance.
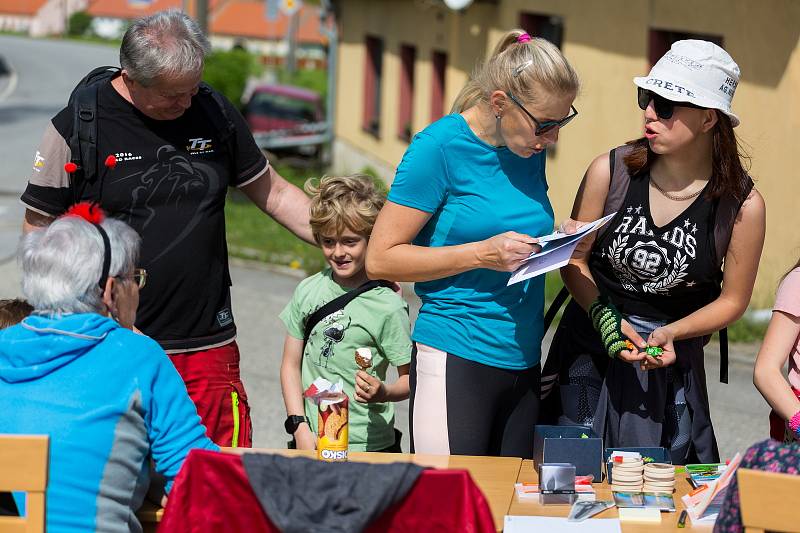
(46, 71)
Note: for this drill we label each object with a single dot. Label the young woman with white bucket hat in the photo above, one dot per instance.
(685, 206)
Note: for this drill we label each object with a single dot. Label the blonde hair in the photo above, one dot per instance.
(339, 203)
(519, 68)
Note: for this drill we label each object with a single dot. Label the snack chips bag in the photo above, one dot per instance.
(332, 419)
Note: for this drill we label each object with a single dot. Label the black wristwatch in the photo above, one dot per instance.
(293, 422)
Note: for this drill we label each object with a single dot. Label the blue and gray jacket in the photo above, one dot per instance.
(109, 399)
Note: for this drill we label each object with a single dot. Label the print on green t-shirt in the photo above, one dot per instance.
(377, 319)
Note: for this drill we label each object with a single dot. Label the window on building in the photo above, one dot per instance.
(661, 40)
(544, 26)
(373, 79)
(439, 62)
(408, 55)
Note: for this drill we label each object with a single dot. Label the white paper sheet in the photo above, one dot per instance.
(556, 251)
(552, 524)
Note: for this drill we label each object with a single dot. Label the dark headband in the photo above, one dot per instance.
(106, 256)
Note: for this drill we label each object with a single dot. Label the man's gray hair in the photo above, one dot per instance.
(62, 263)
(166, 44)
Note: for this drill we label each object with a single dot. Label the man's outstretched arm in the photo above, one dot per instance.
(282, 201)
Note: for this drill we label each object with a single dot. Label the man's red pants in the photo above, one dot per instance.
(215, 386)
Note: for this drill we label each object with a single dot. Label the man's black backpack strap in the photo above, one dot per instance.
(340, 303)
(83, 141)
(213, 106)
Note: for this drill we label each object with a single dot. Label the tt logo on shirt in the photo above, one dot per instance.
(38, 162)
(200, 146)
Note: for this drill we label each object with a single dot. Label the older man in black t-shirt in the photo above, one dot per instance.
(170, 182)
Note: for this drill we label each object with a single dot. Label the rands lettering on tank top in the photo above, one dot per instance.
(653, 265)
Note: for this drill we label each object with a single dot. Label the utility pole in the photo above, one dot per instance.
(329, 25)
(202, 15)
(291, 38)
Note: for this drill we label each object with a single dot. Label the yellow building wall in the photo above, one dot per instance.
(607, 43)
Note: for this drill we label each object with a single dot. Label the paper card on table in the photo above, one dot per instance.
(704, 506)
(703, 474)
(552, 524)
(556, 251)
(639, 514)
(657, 500)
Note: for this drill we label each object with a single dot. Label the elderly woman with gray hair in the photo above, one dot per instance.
(108, 398)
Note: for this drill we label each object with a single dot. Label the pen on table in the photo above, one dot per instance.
(682, 519)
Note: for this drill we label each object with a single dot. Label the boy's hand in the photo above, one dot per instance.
(304, 438)
(369, 389)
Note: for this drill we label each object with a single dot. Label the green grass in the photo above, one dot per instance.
(254, 235)
(744, 330)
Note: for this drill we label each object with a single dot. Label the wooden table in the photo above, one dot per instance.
(495, 476)
(669, 521)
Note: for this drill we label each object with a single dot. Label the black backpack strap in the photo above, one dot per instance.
(339, 303)
(214, 107)
(552, 311)
(83, 140)
(617, 187)
(727, 210)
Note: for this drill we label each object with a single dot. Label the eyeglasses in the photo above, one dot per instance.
(139, 277)
(664, 108)
(547, 125)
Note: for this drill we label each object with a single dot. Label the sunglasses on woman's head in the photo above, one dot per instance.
(546, 125)
(664, 108)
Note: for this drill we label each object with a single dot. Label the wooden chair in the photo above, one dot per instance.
(768, 501)
(23, 467)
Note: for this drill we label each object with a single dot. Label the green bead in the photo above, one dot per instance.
(654, 351)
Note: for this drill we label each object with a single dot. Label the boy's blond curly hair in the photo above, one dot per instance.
(339, 203)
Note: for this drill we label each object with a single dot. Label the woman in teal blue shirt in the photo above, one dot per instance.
(468, 198)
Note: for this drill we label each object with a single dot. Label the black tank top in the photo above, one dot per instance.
(663, 272)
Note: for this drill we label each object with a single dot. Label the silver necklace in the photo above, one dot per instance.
(675, 197)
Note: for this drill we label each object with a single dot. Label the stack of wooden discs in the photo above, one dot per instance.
(658, 477)
(626, 474)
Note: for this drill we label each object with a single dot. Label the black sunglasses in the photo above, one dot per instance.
(664, 108)
(547, 125)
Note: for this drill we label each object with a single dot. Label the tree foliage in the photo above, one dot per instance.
(79, 23)
(227, 71)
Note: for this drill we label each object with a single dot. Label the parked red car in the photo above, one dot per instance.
(282, 107)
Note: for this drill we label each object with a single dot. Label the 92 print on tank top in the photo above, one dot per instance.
(657, 272)
(170, 185)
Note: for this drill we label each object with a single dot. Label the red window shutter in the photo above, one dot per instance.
(439, 63)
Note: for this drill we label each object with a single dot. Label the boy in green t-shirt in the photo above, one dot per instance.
(343, 211)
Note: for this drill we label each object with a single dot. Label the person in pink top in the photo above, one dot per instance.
(782, 342)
